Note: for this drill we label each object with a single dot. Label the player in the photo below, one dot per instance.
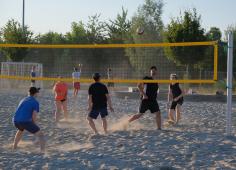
(25, 118)
(33, 74)
(175, 95)
(60, 90)
(148, 93)
(110, 85)
(97, 101)
(76, 75)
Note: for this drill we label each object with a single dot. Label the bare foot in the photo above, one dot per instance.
(14, 147)
(171, 121)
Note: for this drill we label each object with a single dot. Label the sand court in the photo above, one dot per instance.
(198, 141)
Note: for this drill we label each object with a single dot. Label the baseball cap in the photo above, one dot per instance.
(34, 90)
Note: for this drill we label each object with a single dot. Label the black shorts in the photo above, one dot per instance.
(151, 105)
(95, 112)
(174, 103)
(29, 126)
(63, 100)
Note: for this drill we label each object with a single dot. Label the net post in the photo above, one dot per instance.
(229, 84)
(215, 62)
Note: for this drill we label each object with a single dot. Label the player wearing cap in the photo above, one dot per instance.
(97, 101)
(25, 118)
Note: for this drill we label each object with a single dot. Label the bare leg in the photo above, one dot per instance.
(76, 92)
(92, 125)
(64, 108)
(42, 142)
(17, 138)
(171, 115)
(58, 110)
(104, 124)
(158, 119)
(135, 117)
(178, 113)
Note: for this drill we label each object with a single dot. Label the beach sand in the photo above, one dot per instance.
(197, 142)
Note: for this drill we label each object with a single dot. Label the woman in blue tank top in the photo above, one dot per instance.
(175, 96)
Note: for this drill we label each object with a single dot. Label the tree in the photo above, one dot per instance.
(95, 29)
(78, 34)
(214, 34)
(52, 59)
(13, 33)
(148, 16)
(119, 29)
(51, 38)
(186, 28)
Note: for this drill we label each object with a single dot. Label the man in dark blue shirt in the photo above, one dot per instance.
(148, 93)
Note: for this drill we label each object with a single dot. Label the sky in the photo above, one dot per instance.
(57, 15)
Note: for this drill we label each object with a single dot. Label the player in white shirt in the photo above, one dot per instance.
(76, 84)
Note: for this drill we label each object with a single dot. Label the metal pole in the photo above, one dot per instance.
(23, 16)
(229, 84)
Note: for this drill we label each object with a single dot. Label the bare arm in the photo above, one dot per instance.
(170, 96)
(54, 88)
(140, 88)
(80, 68)
(34, 116)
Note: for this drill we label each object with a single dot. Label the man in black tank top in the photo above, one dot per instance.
(148, 93)
(175, 95)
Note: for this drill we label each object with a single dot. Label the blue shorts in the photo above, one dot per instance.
(29, 126)
(95, 112)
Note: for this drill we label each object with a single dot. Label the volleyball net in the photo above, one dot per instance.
(193, 62)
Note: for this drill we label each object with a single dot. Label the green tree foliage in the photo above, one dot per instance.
(118, 30)
(78, 34)
(186, 28)
(52, 59)
(214, 34)
(95, 29)
(148, 17)
(51, 38)
(13, 33)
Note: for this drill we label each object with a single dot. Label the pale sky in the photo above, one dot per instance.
(57, 15)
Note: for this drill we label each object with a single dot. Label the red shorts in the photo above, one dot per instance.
(76, 85)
